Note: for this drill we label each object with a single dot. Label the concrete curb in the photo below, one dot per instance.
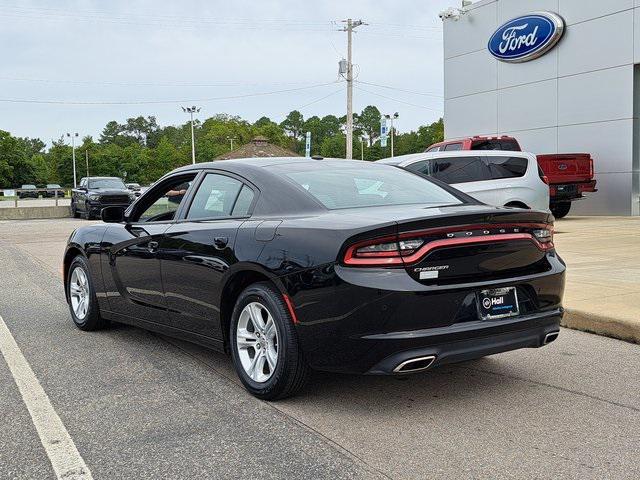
(33, 213)
(609, 327)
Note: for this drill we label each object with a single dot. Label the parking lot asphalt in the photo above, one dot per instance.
(138, 405)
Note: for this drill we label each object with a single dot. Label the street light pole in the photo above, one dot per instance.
(392, 130)
(362, 148)
(191, 111)
(231, 140)
(73, 156)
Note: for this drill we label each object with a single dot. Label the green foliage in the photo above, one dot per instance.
(142, 151)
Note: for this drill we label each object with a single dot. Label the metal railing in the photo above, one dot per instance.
(47, 193)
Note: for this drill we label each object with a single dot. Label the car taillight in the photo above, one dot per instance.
(591, 167)
(544, 236)
(381, 252)
(410, 248)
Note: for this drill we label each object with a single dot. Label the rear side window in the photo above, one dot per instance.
(460, 170)
(453, 146)
(507, 167)
(216, 197)
(432, 149)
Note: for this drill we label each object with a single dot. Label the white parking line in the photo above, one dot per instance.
(62, 452)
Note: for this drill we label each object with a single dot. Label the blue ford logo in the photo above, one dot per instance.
(527, 37)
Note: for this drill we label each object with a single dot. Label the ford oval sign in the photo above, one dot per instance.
(527, 37)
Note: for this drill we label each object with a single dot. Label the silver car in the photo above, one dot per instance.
(501, 178)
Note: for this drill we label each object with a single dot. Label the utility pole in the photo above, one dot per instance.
(73, 155)
(191, 111)
(86, 158)
(392, 131)
(362, 148)
(351, 25)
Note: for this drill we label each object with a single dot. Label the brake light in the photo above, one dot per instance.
(591, 167)
(409, 248)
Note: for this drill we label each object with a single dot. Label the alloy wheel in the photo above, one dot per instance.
(257, 342)
(79, 292)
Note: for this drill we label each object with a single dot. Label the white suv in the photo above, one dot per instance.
(502, 178)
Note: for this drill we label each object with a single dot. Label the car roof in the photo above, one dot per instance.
(404, 160)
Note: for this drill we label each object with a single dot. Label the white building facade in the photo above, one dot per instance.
(583, 95)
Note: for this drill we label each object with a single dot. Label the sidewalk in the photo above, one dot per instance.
(602, 294)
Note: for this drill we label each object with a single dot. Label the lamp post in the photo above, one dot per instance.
(392, 130)
(73, 155)
(231, 139)
(191, 111)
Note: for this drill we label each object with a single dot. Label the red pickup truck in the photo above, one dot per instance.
(569, 175)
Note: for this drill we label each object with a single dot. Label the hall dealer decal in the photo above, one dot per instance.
(527, 37)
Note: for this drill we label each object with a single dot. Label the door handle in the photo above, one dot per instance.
(152, 246)
(220, 242)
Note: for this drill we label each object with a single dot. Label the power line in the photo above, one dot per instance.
(400, 89)
(397, 100)
(150, 84)
(157, 102)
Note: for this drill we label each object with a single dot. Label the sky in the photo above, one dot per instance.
(72, 66)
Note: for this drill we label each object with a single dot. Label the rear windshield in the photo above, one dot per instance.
(107, 183)
(495, 144)
(367, 186)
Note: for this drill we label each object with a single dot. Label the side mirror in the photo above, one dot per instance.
(112, 214)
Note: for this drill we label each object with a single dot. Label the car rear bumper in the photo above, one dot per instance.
(371, 320)
(532, 331)
(571, 191)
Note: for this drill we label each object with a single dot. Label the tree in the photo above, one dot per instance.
(262, 121)
(294, 124)
(368, 122)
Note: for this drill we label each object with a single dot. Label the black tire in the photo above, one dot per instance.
(291, 371)
(92, 320)
(87, 213)
(74, 210)
(560, 209)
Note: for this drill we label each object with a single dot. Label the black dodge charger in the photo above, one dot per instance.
(292, 264)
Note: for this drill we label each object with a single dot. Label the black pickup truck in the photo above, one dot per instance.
(95, 193)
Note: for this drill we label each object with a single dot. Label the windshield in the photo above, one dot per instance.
(32, 187)
(367, 185)
(107, 183)
(53, 185)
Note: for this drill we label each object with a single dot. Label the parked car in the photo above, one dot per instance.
(570, 175)
(135, 188)
(95, 193)
(28, 191)
(53, 190)
(292, 264)
(510, 179)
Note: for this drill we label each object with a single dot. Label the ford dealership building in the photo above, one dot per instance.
(562, 76)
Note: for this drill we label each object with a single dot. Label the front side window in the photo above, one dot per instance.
(220, 196)
(423, 167)
(339, 187)
(507, 167)
(162, 203)
(454, 170)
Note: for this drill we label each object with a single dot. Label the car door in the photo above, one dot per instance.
(507, 178)
(198, 250)
(134, 249)
(468, 174)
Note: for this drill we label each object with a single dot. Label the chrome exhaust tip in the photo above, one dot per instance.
(550, 337)
(415, 364)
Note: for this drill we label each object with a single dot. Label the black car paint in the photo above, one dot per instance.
(363, 320)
